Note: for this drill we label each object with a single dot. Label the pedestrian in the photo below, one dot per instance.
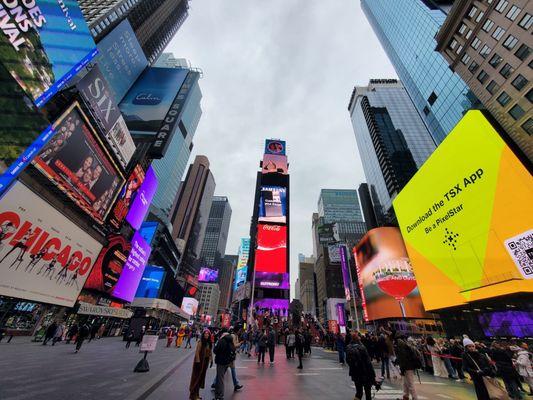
(262, 343)
(188, 335)
(101, 331)
(179, 337)
(409, 360)
(203, 358)
(360, 368)
(50, 332)
(224, 356)
(286, 336)
(383, 352)
(58, 334)
(130, 336)
(299, 346)
(271, 344)
(140, 336)
(83, 332)
(307, 342)
(170, 335)
(505, 369)
(339, 342)
(525, 369)
(72, 332)
(456, 351)
(291, 343)
(236, 385)
(477, 366)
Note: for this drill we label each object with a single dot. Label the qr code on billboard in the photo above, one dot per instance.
(520, 248)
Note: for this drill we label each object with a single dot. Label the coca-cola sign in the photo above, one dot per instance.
(43, 255)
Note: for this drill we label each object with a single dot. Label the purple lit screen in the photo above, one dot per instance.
(133, 269)
(272, 304)
(507, 323)
(142, 200)
(208, 275)
(340, 314)
(345, 273)
(272, 280)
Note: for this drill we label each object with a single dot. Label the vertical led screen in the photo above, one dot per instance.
(43, 44)
(78, 164)
(466, 218)
(151, 281)
(148, 231)
(272, 207)
(271, 252)
(345, 268)
(189, 305)
(126, 197)
(276, 147)
(273, 163)
(240, 277)
(386, 279)
(142, 199)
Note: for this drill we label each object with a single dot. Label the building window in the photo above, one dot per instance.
(479, 16)
(462, 29)
(475, 43)
(523, 52)
(528, 126)
(482, 76)
(465, 59)
(459, 49)
(519, 82)
(432, 98)
(526, 21)
(506, 71)
(492, 87)
(472, 12)
(453, 44)
(468, 34)
(516, 112)
(474, 66)
(503, 99)
(513, 12)
(488, 25)
(529, 95)
(502, 4)
(495, 60)
(485, 51)
(510, 42)
(498, 33)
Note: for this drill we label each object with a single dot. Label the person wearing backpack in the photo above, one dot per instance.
(409, 361)
(299, 342)
(224, 356)
(262, 342)
(360, 368)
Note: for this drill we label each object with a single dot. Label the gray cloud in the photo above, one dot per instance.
(283, 69)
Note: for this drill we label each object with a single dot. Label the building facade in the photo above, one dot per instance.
(367, 207)
(216, 233)
(406, 30)
(306, 283)
(208, 299)
(392, 139)
(335, 205)
(226, 276)
(487, 45)
(155, 22)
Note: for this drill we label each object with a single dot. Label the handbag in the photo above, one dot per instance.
(493, 386)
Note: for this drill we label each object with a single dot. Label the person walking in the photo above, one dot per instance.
(299, 345)
(409, 361)
(83, 332)
(339, 342)
(50, 332)
(58, 334)
(360, 368)
(456, 351)
(262, 343)
(224, 356)
(236, 385)
(291, 342)
(505, 369)
(525, 369)
(271, 344)
(179, 337)
(477, 366)
(203, 359)
(188, 335)
(383, 352)
(72, 332)
(130, 336)
(170, 335)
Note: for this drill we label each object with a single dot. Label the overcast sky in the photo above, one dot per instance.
(283, 69)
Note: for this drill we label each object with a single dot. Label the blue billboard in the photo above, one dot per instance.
(148, 230)
(43, 44)
(240, 277)
(151, 281)
(274, 146)
(121, 59)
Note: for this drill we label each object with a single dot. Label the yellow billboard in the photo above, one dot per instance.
(467, 218)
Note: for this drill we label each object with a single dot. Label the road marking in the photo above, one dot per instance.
(323, 368)
(444, 396)
(432, 383)
(306, 374)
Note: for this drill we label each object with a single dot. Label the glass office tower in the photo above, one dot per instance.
(337, 205)
(406, 30)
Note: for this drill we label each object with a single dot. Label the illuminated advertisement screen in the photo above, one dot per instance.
(345, 269)
(151, 281)
(276, 147)
(44, 44)
(273, 205)
(43, 256)
(271, 304)
(244, 253)
(269, 280)
(109, 264)
(516, 324)
(386, 279)
(208, 275)
(240, 277)
(78, 164)
(131, 275)
(126, 196)
(466, 218)
(142, 199)
(189, 305)
(274, 163)
(148, 230)
(271, 253)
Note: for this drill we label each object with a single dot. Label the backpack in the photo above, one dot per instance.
(416, 356)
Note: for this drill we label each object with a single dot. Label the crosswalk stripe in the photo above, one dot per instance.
(306, 374)
(444, 396)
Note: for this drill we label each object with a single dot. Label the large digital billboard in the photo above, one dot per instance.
(345, 269)
(44, 257)
(273, 204)
(142, 199)
(272, 305)
(148, 231)
(466, 218)
(271, 252)
(274, 146)
(189, 305)
(121, 59)
(240, 277)
(132, 272)
(270, 280)
(151, 281)
(97, 93)
(208, 275)
(386, 279)
(43, 44)
(509, 323)
(77, 163)
(126, 196)
(274, 163)
(244, 253)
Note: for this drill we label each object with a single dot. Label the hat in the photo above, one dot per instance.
(467, 342)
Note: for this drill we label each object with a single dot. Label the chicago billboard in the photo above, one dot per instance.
(274, 163)
(44, 44)
(95, 90)
(271, 253)
(142, 199)
(273, 146)
(78, 164)
(386, 279)
(466, 218)
(151, 282)
(43, 256)
(273, 204)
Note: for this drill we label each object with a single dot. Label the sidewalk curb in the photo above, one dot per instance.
(150, 387)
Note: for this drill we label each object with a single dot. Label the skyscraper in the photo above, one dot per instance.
(216, 233)
(406, 30)
(306, 282)
(392, 140)
(154, 22)
(226, 276)
(336, 205)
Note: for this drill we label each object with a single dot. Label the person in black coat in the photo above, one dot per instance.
(360, 368)
(477, 366)
(299, 344)
(505, 369)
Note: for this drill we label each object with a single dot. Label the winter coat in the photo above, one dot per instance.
(523, 362)
(271, 338)
(360, 365)
(476, 364)
(262, 340)
(407, 357)
(504, 363)
(224, 350)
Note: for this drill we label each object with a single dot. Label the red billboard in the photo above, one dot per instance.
(271, 253)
